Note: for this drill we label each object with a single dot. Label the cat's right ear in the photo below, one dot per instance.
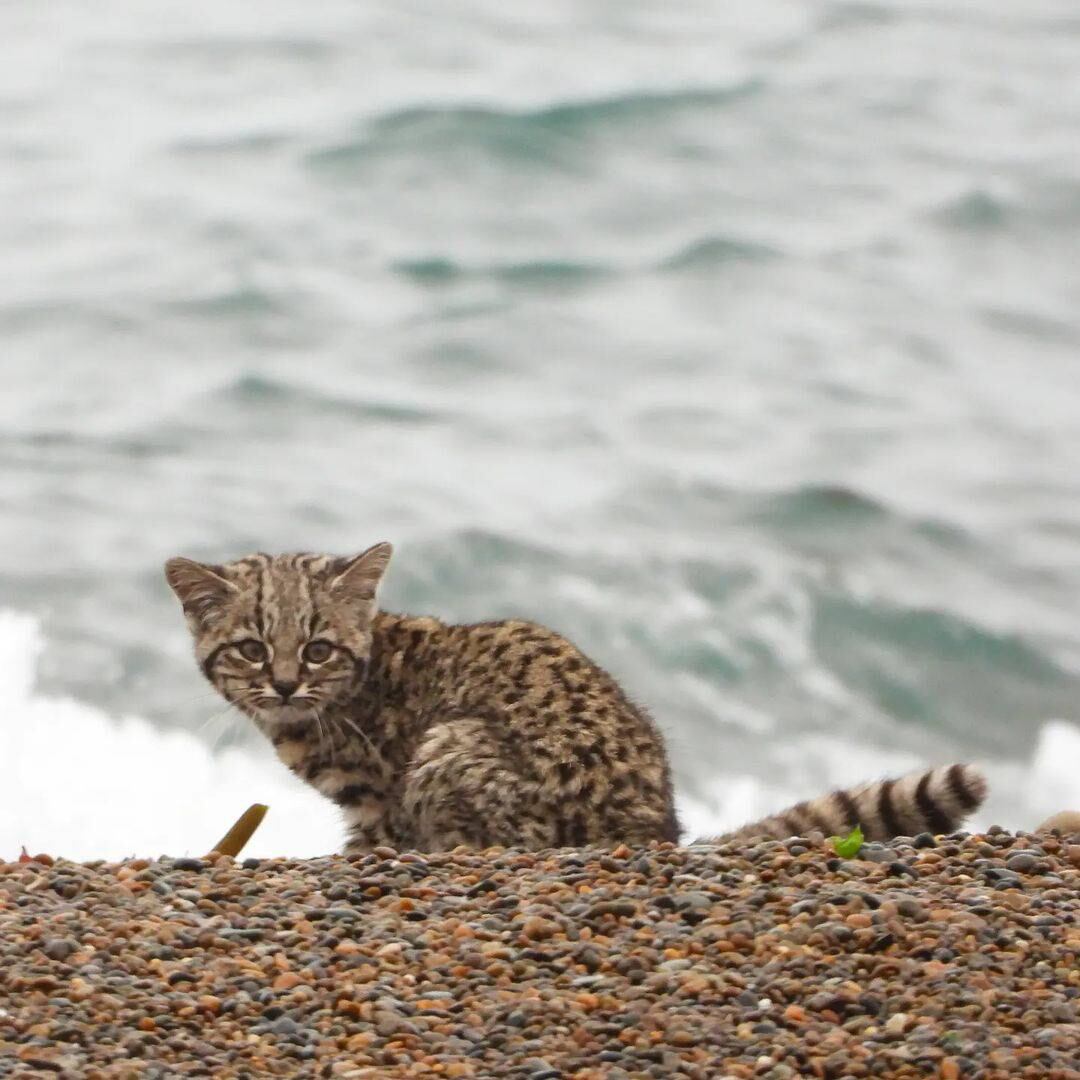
(358, 578)
(201, 589)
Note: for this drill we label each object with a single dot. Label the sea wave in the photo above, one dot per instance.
(535, 135)
(264, 393)
(709, 252)
(87, 785)
(552, 273)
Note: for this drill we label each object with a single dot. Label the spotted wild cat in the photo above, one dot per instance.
(431, 735)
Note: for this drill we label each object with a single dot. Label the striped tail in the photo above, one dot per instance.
(935, 801)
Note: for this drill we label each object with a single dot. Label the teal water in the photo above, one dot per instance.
(738, 343)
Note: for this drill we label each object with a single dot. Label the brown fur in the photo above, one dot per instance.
(431, 735)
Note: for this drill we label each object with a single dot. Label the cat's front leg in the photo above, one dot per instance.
(374, 820)
(364, 838)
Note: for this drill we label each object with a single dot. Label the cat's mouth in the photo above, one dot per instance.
(296, 713)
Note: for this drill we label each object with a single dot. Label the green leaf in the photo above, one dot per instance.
(847, 847)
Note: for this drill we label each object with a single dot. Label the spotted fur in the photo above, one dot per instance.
(430, 735)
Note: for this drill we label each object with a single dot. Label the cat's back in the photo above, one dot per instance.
(523, 666)
(531, 683)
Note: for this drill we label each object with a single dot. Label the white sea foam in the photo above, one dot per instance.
(82, 784)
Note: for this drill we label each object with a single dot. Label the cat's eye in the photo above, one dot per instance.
(318, 652)
(252, 650)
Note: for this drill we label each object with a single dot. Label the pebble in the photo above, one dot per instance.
(910, 909)
(771, 960)
(1022, 862)
(896, 1024)
(60, 948)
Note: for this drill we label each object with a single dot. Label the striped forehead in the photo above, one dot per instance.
(280, 590)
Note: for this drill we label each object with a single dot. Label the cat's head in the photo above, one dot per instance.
(282, 636)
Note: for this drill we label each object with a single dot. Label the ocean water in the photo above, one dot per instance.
(738, 342)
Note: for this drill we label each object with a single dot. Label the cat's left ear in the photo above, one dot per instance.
(358, 578)
(202, 590)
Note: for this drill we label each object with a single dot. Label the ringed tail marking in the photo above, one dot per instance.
(934, 800)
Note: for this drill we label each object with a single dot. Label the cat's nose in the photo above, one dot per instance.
(285, 689)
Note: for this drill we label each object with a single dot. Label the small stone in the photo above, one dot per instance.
(389, 1023)
(538, 929)
(619, 908)
(694, 901)
(1022, 862)
(676, 964)
(59, 948)
(902, 869)
(877, 853)
(539, 1069)
(911, 909)
(896, 1024)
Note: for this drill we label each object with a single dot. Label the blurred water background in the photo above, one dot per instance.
(736, 341)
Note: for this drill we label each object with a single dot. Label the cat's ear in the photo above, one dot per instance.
(202, 589)
(358, 578)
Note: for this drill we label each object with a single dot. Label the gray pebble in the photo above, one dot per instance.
(60, 948)
(1022, 862)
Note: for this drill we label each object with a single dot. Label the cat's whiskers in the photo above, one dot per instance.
(359, 731)
(198, 697)
(322, 732)
(228, 714)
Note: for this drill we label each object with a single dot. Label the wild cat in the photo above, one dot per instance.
(430, 735)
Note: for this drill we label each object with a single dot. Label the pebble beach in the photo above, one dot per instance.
(946, 957)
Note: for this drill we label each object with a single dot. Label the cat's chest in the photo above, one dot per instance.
(388, 736)
(357, 759)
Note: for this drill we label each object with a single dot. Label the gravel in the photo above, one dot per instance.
(951, 957)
